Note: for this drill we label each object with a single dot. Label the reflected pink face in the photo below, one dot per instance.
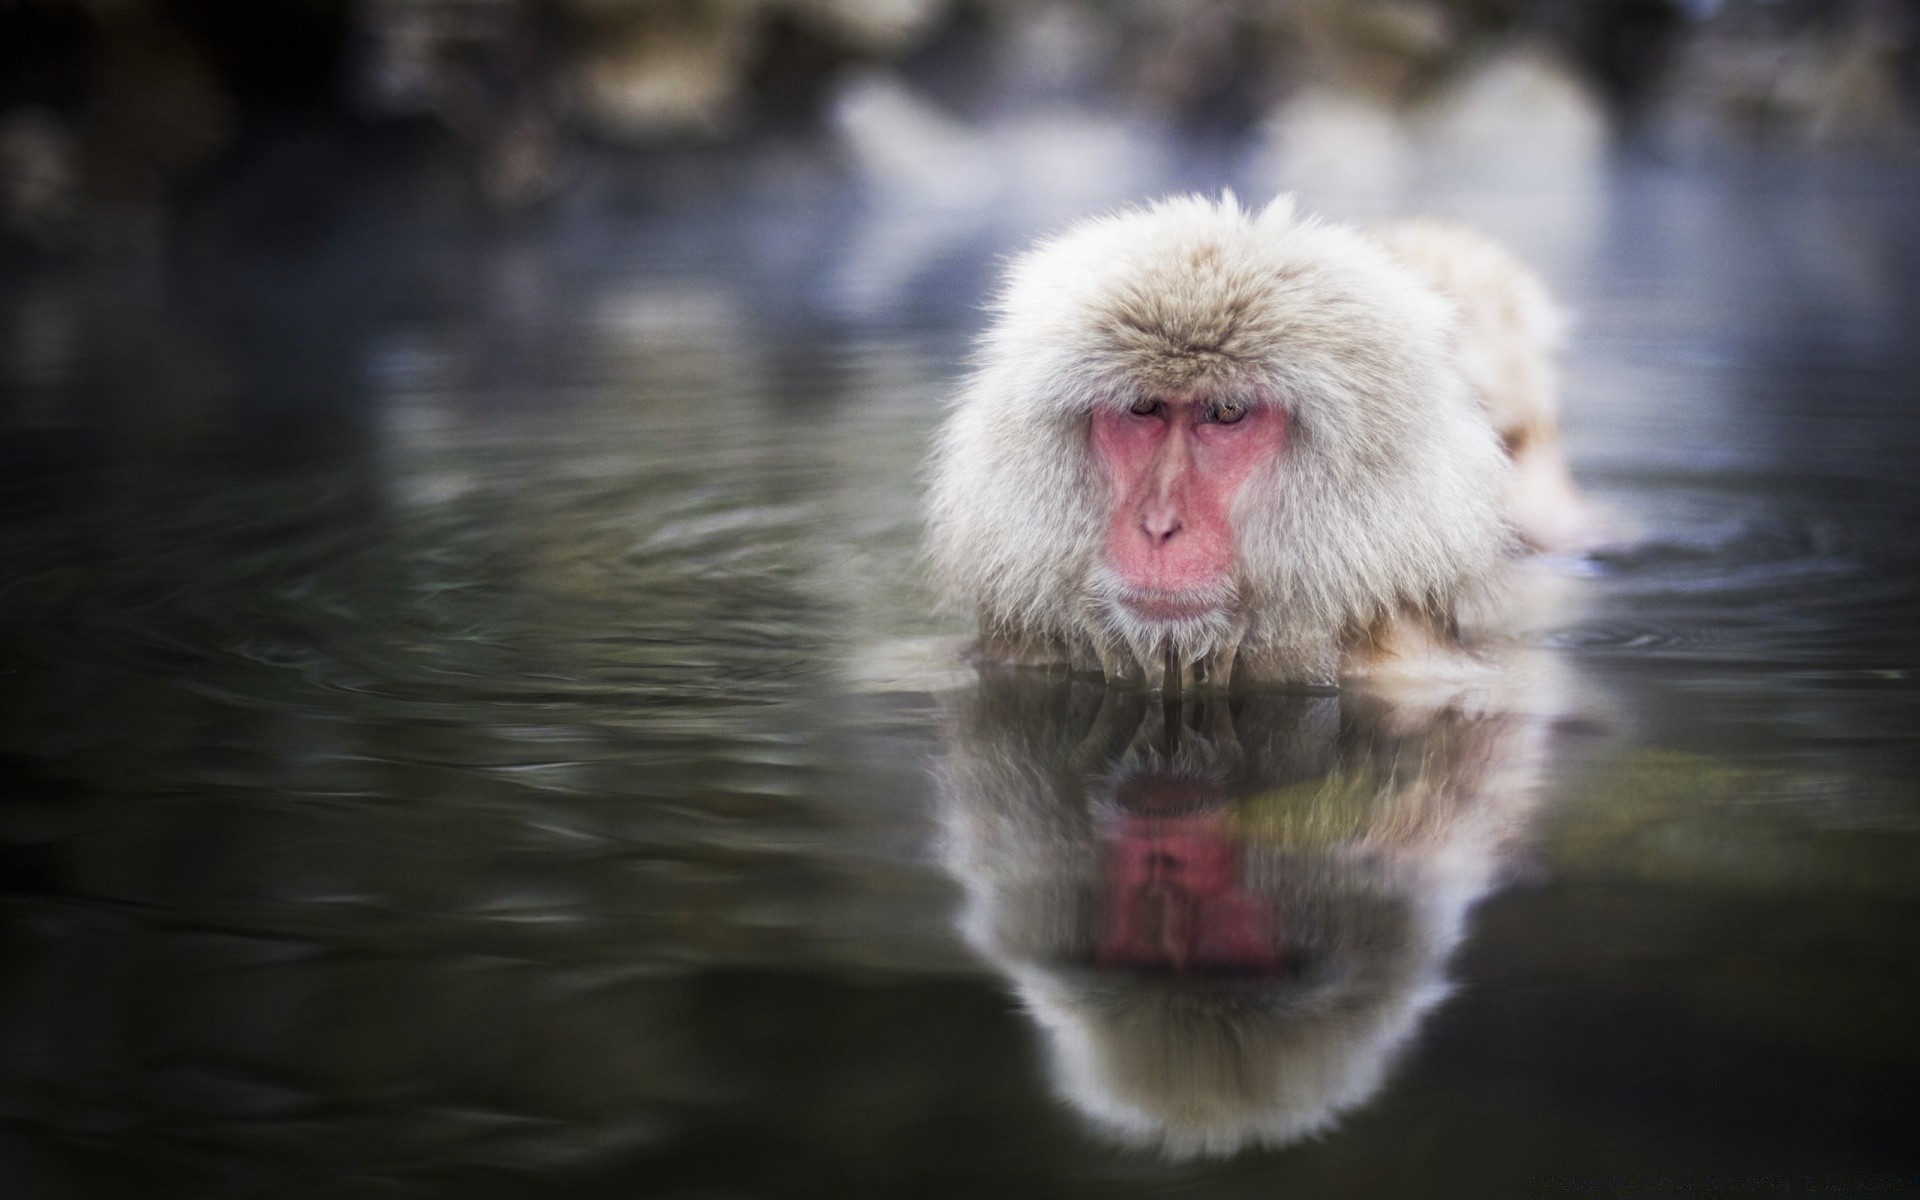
(1175, 902)
(1177, 461)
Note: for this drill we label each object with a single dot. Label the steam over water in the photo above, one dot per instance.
(454, 741)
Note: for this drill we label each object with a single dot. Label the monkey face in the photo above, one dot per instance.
(1176, 462)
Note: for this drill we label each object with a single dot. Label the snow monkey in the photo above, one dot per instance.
(1510, 331)
(1202, 441)
(1228, 917)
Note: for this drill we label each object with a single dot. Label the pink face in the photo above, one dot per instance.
(1176, 462)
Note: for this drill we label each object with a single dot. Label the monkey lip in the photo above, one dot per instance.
(1156, 605)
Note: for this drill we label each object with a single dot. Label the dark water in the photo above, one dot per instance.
(441, 752)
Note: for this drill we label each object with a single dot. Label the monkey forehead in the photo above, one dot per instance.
(1192, 295)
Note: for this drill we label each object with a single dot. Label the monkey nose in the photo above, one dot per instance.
(1160, 522)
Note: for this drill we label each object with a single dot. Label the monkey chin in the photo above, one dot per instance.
(1168, 640)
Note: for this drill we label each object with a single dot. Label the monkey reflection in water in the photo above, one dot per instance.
(1227, 916)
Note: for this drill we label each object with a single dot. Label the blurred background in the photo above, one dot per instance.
(122, 122)
(460, 729)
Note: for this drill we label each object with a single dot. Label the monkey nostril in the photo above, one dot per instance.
(1161, 526)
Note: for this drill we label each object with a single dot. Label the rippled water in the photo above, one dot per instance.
(442, 754)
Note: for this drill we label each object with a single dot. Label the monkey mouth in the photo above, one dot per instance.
(1152, 604)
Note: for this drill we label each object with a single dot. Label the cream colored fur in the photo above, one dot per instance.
(1509, 327)
(1384, 505)
(1509, 338)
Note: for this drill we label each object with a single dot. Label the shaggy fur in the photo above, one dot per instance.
(1510, 334)
(1383, 507)
(1510, 328)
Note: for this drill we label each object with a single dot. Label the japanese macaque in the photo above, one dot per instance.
(1203, 441)
(1227, 918)
(1510, 332)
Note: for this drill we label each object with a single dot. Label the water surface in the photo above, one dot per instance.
(431, 765)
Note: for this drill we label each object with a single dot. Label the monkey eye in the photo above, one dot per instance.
(1226, 412)
(1145, 406)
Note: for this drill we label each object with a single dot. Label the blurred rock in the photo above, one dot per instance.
(38, 175)
(1521, 119)
(1835, 75)
(482, 70)
(1345, 151)
(885, 28)
(647, 71)
(1519, 123)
